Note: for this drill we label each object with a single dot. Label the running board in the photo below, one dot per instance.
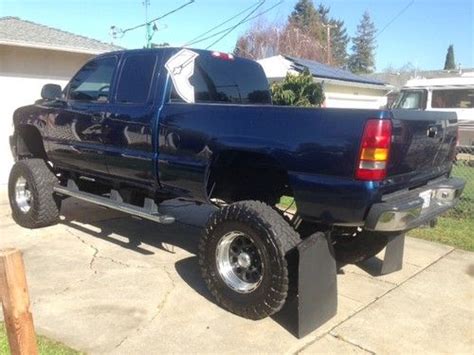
(148, 211)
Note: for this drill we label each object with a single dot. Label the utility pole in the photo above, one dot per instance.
(148, 34)
(328, 37)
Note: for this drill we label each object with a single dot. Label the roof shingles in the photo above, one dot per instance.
(16, 31)
(325, 71)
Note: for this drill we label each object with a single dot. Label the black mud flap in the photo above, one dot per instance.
(313, 300)
(393, 258)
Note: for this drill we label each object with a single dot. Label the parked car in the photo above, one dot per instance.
(135, 128)
(444, 95)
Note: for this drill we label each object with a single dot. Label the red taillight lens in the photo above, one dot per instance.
(374, 150)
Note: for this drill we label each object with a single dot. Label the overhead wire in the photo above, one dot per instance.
(400, 13)
(223, 23)
(236, 25)
(158, 18)
(232, 27)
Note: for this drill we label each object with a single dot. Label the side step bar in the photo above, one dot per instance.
(115, 202)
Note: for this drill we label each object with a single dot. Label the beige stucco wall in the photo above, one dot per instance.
(23, 72)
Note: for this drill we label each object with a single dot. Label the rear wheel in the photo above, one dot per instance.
(242, 258)
(30, 190)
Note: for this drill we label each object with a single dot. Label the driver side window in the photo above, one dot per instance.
(93, 81)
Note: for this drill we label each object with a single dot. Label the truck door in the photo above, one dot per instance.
(75, 135)
(128, 139)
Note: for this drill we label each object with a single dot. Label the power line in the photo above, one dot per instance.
(236, 25)
(222, 23)
(242, 22)
(158, 18)
(395, 17)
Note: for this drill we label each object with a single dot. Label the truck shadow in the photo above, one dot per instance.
(142, 236)
(145, 237)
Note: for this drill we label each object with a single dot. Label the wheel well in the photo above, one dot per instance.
(29, 143)
(236, 176)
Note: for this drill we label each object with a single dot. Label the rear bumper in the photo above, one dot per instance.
(407, 210)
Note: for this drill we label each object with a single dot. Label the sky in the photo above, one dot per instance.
(416, 31)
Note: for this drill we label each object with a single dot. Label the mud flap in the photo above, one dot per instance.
(314, 298)
(393, 258)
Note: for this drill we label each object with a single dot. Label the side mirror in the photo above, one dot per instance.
(51, 92)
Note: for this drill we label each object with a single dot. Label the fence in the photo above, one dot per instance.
(464, 168)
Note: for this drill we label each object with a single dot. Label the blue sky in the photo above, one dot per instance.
(420, 35)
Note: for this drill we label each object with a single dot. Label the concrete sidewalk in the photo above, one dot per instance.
(103, 282)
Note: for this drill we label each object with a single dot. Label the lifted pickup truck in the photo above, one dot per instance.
(135, 128)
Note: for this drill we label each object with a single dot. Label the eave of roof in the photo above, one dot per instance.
(23, 33)
(49, 47)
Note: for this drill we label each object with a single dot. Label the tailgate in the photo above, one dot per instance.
(423, 144)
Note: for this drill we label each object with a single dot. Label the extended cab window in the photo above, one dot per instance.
(231, 81)
(92, 82)
(411, 100)
(135, 79)
(453, 98)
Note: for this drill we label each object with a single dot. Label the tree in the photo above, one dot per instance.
(266, 39)
(449, 62)
(339, 37)
(307, 19)
(298, 90)
(362, 60)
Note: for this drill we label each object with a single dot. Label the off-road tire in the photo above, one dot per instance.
(45, 205)
(352, 250)
(273, 236)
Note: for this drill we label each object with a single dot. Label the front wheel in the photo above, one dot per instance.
(242, 258)
(30, 191)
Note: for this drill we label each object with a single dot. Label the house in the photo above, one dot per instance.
(342, 88)
(32, 55)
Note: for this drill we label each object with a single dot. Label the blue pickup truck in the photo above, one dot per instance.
(135, 128)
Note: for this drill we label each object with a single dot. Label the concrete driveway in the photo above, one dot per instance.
(103, 282)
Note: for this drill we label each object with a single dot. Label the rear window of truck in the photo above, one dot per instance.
(227, 81)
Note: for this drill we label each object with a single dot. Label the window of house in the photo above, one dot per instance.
(92, 82)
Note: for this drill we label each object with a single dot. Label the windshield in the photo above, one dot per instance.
(411, 100)
(453, 98)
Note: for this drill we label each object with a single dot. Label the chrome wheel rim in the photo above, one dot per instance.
(23, 195)
(239, 262)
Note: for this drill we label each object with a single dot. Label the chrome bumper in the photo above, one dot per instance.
(410, 209)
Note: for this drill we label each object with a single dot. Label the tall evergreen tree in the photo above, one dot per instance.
(362, 59)
(305, 18)
(449, 62)
(339, 36)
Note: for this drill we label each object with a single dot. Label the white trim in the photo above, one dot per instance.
(54, 48)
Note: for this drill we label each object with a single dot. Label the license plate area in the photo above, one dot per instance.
(426, 196)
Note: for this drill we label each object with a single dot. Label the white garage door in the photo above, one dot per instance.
(355, 101)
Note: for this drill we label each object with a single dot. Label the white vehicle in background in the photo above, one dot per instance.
(443, 94)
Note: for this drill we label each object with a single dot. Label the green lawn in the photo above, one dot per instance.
(456, 232)
(45, 345)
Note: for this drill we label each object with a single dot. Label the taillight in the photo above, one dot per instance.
(374, 150)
